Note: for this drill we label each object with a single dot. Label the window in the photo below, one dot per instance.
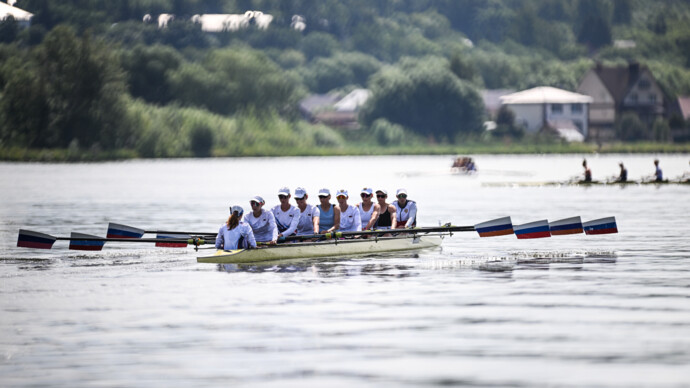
(576, 109)
(556, 108)
(644, 84)
(652, 98)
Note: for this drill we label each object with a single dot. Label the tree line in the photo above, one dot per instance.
(83, 74)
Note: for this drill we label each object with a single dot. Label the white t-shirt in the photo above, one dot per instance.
(350, 221)
(305, 225)
(264, 226)
(286, 221)
(365, 216)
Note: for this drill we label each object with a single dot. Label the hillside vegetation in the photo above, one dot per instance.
(91, 79)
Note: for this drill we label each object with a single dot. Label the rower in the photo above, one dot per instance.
(368, 210)
(588, 172)
(386, 218)
(235, 234)
(658, 174)
(405, 210)
(350, 220)
(286, 215)
(329, 215)
(623, 177)
(263, 223)
(309, 215)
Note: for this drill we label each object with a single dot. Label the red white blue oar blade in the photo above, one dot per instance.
(601, 226)
(85, 245)
(536, 229)
(172, 244)
(123, 231)
(565, 226)
(31, 239)
(499, 227)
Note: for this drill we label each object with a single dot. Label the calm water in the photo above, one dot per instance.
(573, 311)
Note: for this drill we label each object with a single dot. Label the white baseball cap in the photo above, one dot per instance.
(237, 209)
(257, 199)
(284, 191)
(366, 190)
(300, 192)
(401, 191)
(341, 192)
(382, 191)
(324, 192)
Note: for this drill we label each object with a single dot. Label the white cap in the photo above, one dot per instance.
(366, 190)
(401, 191)
(237, 209)
(341, 192)
(383, 191)
(257, 199)
(284, 191)
(324, 192)
(300, 192)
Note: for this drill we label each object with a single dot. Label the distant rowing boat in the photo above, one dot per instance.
(583, 183)
(329, 248)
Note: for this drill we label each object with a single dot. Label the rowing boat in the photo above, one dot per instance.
(583, 183)
(328, 248)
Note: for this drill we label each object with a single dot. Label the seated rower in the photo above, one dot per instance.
(623, 177)
(405, 211)
(658, 174)
(588, 172)
(286, 215)
(329, 215)
(309, 215)
(350, 220)
(263, 223)
(387, 217)
(235, 234)
(368, 210)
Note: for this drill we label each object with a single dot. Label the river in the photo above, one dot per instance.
(568, 311)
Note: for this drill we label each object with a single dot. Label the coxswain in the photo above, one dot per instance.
(405, 210)
(309, 215)
(350, 221)
(387, 217)
(368, 210)
(329, 215)
(286, 215)
(263, 222)
(588, 172)
(235, 234)
(623, 177)
(658, 174)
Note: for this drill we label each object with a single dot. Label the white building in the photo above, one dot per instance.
(546, 107)
(22, 17)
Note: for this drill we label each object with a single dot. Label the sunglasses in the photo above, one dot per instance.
(323, 196)
(254, 203)
(300, 199)
(381, 195)
(363, 195)
(282, 196)
(402, 196)
(341, 196)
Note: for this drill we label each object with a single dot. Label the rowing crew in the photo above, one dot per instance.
(245, 230)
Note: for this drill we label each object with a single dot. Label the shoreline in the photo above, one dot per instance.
(15, 154)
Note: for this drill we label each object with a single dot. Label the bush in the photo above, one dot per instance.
(201, 139)
(387, 133)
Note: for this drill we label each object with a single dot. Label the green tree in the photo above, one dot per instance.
(147, 69)
(661, 130)
(425, 96)
(8, 29)
(631, 128)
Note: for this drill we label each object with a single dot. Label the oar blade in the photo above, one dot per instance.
(123, 231)
(605, 225)
(85, 245)
(31, 239)
(499, 227)
(172, 244)
(536, 229)
(572, 225)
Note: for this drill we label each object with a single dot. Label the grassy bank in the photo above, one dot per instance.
(67, 155)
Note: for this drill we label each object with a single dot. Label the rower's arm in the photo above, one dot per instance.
(413, 215)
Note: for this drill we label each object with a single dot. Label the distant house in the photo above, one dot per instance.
(492, 100)
(620, 89)
(22, 17)
(683, 104)
(335, 110)
(547, 108)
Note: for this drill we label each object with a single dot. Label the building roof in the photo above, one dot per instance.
(684, 105)
(17, 13)
(545, 95)
(619, 79)
(316, 102)
(353, 101)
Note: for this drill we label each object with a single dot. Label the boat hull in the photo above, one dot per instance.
(331, 248)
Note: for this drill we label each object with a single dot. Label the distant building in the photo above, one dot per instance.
(22, 17)
(684, 107)
(492, 100)
(335, 110)
(620, 89)
(555, 110)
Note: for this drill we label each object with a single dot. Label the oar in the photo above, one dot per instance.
(125, 231)
(80, 241)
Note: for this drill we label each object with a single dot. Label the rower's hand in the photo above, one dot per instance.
(273, 242)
